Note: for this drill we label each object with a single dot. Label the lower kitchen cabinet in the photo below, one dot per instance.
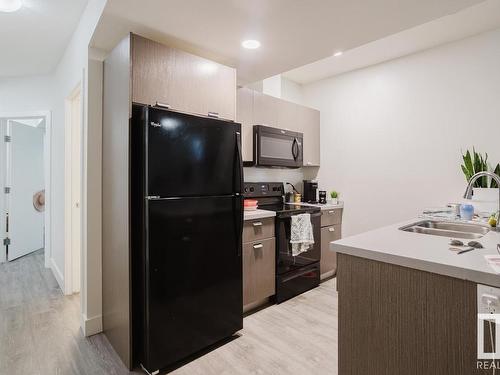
(259, 262)
(328, 264)
(331, 217)
(331, 230)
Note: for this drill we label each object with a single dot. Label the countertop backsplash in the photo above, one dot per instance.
(294, 176)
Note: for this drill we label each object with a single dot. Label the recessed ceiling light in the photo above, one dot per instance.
(9, 6)
(337, 54)
(250, 44)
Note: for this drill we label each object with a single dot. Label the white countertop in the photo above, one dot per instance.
(423, 252)
(257, 214)
(326, 206)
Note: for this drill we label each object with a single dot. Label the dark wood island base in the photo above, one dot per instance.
(398, 320)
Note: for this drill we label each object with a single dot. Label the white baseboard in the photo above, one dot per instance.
(57, 274)
(91, 326)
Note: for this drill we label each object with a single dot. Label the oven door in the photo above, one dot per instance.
(285, 262)
(277, 147)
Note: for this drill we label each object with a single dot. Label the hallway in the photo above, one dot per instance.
(40, 328)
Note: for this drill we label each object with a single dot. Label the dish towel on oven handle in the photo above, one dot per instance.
(301, 233)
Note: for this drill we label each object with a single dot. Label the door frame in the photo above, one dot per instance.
(70, 264)
(47, 162)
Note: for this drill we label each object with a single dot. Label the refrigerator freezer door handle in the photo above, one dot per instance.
(239, 224)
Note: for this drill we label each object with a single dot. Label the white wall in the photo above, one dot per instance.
(291, 91)
(294, 176)
(26, 94)
(71, 70)
(392, 133)
(49, 92)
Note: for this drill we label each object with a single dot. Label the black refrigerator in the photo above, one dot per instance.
(186, 225)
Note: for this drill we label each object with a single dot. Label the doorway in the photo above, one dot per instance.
(24, 185)
(73, 190)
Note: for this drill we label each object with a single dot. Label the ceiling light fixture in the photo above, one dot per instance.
(337, 54)
(250, 44)
(9, 6)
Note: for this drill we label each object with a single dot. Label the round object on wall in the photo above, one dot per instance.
(39, 201)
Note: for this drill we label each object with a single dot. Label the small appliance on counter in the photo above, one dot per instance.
(322, 197)
(310, 190)
(294, 274)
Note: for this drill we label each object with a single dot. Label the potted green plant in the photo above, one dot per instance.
(483, 189)
(334, 197)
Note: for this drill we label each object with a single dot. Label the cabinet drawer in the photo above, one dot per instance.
(259, 260)
(258, 229)
(331, 217)
(329, 258)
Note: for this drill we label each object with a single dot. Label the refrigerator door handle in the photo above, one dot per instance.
(239, 188)
(239, 223)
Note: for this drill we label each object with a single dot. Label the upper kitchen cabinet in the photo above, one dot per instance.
(287, 116)
(265, 109)
(244, 115)
(256, 108)
(188, 83)
(308, 121)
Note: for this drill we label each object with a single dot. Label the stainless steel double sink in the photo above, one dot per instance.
(447, 229)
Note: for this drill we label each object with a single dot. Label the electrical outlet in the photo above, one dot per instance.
(488, 299)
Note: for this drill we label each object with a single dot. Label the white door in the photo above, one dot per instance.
(25, 177)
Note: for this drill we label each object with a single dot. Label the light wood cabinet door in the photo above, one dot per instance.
(265, 109)
(328, 264)
(186, 82)
(287, 116)
(309, 123)
(259, 260)
(244, 115)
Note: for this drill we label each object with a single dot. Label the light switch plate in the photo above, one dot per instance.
(487, 293)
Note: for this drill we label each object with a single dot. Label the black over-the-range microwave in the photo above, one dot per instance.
(275, 147)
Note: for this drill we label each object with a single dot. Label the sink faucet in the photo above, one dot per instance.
(468, 191)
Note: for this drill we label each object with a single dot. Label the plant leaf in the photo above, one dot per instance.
(466, 173)
(497, 172)
(468, 165)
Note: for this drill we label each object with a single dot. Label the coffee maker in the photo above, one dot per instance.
(310, 191)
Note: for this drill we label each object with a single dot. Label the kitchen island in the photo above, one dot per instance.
(407, 304)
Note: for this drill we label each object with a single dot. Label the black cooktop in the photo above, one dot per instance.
(285, 208)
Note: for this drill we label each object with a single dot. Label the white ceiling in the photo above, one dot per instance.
(33, 39)
(470, 21)
(293, 32)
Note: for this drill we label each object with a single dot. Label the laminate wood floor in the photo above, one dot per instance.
(40, 334)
